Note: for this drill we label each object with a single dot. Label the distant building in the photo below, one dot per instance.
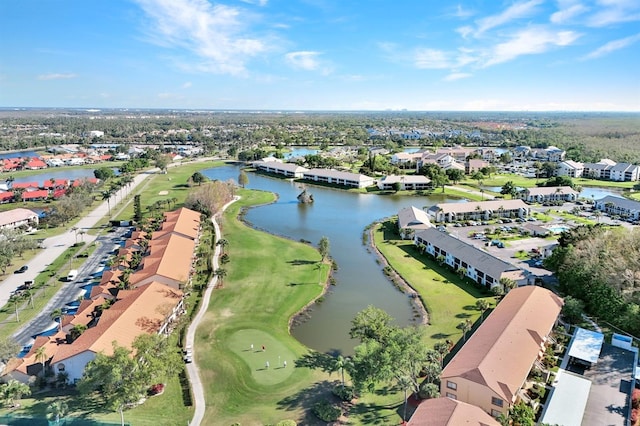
(543, 194)
(412, 219)
(478, 210)
(407, 182)
(619, 207)
(18, 217)
(289, 170)
(570, 168)
(337, 177)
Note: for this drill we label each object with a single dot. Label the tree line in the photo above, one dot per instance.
(600, 267)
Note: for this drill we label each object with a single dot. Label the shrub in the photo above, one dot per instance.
(287, 423)
(156, 389)
(345, 393)
(326, 411)
(428, 390)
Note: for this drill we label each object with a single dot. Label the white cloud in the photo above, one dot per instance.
(462, 13)
(613, 46)
(567, 10)
(615, 11)
(533, 40)
(186, 85)
(431, 59)
(516, 11)
(256, 2)
(214, 33)
(457, 76)
(56, 76)
(304, 60)
(464, 31)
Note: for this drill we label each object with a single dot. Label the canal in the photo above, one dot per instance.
(341, 217)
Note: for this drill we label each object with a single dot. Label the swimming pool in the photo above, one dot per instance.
(557, 229)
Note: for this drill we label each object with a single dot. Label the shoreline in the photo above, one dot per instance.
(397, 279)
(301, 314)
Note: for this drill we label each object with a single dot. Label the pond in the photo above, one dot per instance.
(341, 217)
(18, 154)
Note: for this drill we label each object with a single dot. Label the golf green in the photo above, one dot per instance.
(279, 357)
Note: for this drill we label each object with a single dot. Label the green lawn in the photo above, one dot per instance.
(153, 189)
(448, 299)
(269, 279)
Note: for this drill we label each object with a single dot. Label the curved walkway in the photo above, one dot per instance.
(192, 368)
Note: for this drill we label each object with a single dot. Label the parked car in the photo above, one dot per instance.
(188, 354)
(22, 269)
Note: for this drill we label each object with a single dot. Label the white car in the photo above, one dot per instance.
(188, 354)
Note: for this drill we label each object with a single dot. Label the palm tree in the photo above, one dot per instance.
(56, 315)
(220, 273)
(41, 356)
(442, 348)
(222, 243)
(75, 230)
(106, 196)
(482, 305)
(340, 363)
(14, 390)
(405, 383)
(56, 411)
(508, 284)
(465, 326)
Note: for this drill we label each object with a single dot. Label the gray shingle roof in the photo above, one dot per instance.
(467, 253)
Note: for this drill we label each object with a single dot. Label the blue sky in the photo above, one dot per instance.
(575, 55)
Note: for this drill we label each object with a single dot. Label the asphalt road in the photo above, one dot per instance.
(54, 247)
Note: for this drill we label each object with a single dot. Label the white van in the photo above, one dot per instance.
(73, 274)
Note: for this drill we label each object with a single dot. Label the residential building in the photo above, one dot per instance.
(477, 264)
(543, 194)
(473, 165)
(445, 411)
(337, 177)
(18, 217)
(289, 170)
(412, 219)
(404, 159)
(491, 368)
(147, 309)
(625, 172)
(570, 168)
(443, 160)
(407, 182)
(38, 195)
(457, 153)
(478, 210)
(599, 170)
(619, 207)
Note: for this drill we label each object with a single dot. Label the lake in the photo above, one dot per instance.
(341, 217)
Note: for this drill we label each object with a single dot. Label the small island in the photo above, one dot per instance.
(305, 197)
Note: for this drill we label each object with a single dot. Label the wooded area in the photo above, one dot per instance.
(585, 136)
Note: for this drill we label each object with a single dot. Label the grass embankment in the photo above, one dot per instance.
(448, 299)
(171, 186)
(269, 280)
(46, 284)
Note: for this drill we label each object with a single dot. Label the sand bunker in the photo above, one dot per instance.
(163, 193)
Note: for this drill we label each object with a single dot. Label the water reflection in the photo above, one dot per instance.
(342, 217)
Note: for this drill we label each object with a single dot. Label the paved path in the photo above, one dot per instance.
(54, 247)
(192, 368)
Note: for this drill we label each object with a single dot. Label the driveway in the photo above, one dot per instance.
(55, 246)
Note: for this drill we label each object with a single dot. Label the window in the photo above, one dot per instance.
(496, 401)
(495, 413)
(60, 367)
(452, 385)
(451, 395)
